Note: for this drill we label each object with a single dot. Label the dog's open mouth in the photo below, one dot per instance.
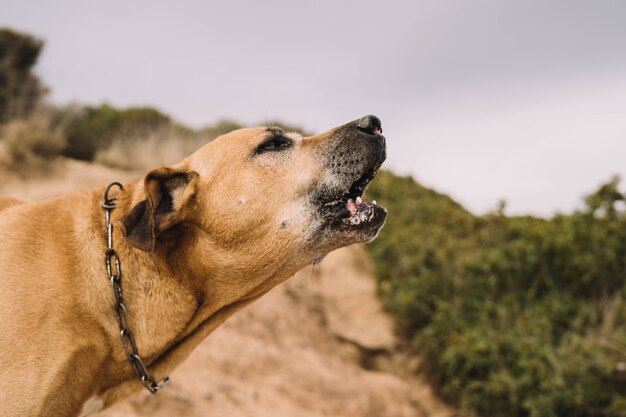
(350, 210)
(354, 161)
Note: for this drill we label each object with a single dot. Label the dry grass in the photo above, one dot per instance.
(29, 146)
(142, 152)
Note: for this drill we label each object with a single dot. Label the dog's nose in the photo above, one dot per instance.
(370, 124)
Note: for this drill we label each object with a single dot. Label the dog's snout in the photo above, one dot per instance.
(370, 124)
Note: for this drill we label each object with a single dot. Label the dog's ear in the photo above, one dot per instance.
(167, 190)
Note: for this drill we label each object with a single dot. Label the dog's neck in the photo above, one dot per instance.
(159, 296)
(170, 308)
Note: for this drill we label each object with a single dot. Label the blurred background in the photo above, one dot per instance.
(497, 285)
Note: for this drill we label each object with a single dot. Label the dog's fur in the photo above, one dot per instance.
(198, 241)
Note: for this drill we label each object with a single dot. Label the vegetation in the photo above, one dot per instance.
(95, 127)
(515, 316)
(28, 145)
(33, 133)
(20, 89)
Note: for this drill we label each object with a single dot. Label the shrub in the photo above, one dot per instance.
(27, 146)
(224, 126)
(142, 146)
(20, 89)
(94, 128)
(219, 128)
(163, 146)
(515, 316)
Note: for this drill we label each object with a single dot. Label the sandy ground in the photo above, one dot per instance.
(318, 345)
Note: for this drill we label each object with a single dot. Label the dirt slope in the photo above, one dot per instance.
(318, 345)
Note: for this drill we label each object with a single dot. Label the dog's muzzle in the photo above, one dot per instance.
(359, 151)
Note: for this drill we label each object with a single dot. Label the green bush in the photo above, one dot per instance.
(220, 127)
(94, 128)
(164, 146)
(105, 132)
(224, 126)
(20, 89)
(515, 316)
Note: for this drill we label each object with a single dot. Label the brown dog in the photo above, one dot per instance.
(197, 241)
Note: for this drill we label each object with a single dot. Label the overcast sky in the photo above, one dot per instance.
(519, 100)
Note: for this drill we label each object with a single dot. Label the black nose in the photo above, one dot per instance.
(371, 124)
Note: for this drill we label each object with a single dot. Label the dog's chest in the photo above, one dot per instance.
(92, 405)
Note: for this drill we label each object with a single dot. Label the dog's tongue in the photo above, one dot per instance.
(360, 211)
(351, 206)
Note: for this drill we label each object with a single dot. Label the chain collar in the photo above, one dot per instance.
(114, 271)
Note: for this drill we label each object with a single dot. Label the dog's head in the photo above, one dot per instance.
(264, 199)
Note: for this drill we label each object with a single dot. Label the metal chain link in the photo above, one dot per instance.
(114, 271)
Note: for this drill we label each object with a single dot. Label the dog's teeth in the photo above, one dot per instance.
(359, 200)
(373, 201)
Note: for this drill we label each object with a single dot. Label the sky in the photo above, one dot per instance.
(486, 100)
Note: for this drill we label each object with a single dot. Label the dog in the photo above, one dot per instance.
(188, 246)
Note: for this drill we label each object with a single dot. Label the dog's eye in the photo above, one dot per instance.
(276, 143)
